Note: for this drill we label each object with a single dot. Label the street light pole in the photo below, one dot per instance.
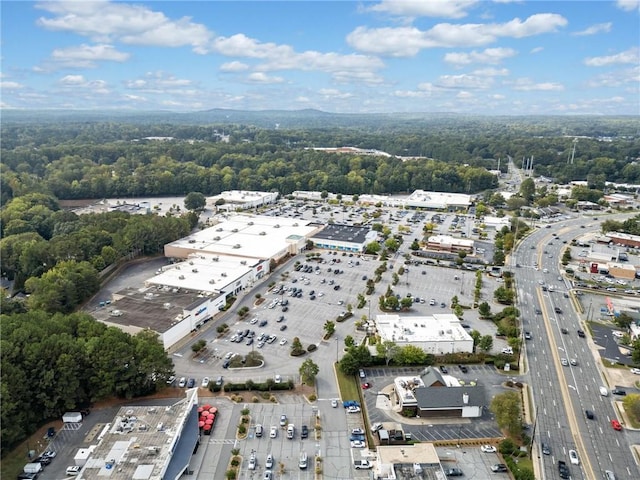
(337, 347)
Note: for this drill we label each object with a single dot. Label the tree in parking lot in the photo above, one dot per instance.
(372, 248)
(566, 256)
(504, 295)
(308, 371)
(485, 343)
(411, 355)
(198, 346)
(349, 341)
(508, 411)
(329, 329)
(484, 310)
(195, 201)
(355, 358)
(623, 320)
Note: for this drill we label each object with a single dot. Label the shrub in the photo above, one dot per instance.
(255, 399)
(312, 347)
(313, 397)
(265, 395)
(235, 451)
(230, 475)
(245, 411)
(235, 462)
(242, 429)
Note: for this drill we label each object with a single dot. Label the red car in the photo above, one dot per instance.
(366, 385)
(616, 424)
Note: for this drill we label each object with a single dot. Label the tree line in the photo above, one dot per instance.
(52, 363)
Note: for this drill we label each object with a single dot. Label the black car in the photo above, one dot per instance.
(281, 319)
(225, 364)
(283, 328)
(250, 341)
(304, 433)
(618, 391)
(589, 414)
(262, 323)
(564, 330)
(443, 369)
(463, 368)
(546, 450)
(336, 287)
(285, 308)
(453, 472)
(558, 310)
(538, 311)
(581, 333)
(191, 383)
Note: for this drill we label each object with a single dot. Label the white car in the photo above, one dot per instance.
(635, 371)
(358, 444)
(183, 382)
(488, 449)
(357, 431)
(254, 320)
(269, 462)
(273, 433)
(573, 457)
(278, 378)
(508, 350)
(353, 409)
(334, 403)
(205, 382)
(73, 470)
(283, 341)
(253, 462)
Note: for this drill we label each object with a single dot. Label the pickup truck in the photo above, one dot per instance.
(361, 464)
(563, 470)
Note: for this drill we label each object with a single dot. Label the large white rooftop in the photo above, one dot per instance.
(421, 198)
(204, 272)
(249, 236)
(439, 327)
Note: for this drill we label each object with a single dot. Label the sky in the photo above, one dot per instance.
(488, 57)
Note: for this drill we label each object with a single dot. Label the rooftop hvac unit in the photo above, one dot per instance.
(277, 225)
(190, 262)
(223, 274)
(219, 229)
(250, 223)
(181, 277)
(237, 245)
(441, 332)
(212, 281)
(243, 262)
(263, 233)
(194, 270)
(235, 230)
(216, 238)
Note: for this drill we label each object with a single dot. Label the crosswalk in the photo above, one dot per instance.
(222, 441)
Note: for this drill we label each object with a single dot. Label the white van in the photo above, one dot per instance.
(302, 463)
(604, 392)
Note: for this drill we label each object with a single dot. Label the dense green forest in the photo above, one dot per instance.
(98, 159)
(55, 363)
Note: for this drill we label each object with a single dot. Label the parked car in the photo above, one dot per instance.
(361, 373)
(73, 470)
(353, 409)
(463, 368)
(499, 467)
(283, 420)
(183, 382)
(191, 383)
(453, 472)
(618, 391)
(273, 433)
(304, 432)
(205, 382)
(488, 449)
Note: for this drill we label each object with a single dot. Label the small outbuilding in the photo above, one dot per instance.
(72, 417)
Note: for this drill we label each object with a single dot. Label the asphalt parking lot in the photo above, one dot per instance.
(452, 429)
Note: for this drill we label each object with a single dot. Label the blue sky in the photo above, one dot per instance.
(499, 57)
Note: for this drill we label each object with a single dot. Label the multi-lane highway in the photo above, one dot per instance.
(564, 390)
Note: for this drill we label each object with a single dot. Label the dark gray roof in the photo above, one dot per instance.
(431, 376)
(343, 233)
(449, 397)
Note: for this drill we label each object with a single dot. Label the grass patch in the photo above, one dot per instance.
(347, 385)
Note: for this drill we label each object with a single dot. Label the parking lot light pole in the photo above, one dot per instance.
(337, 347)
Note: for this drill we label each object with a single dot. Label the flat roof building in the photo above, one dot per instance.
(438, 200)
(344, 238)
(448, 243)
(436, 334)
(247, 236)
(419, 461)
(241, 200)
(146, 443)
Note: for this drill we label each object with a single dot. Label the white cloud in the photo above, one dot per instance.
(594, 29)
(8, 85)
(82, 56)
(408, 41)
(527, 85)
(234, 66)
(537, 50)
(628, 5)
(619, 78)
(410, 94)
(628, 56)
(464, 81)
(107, 22)
(464, 95)
(365, 78)
(157, 82)
(430, 8)
(135, 98)
(261, 77)
(489, 56)
(72, 80)
(333, 93)
(491, 72)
